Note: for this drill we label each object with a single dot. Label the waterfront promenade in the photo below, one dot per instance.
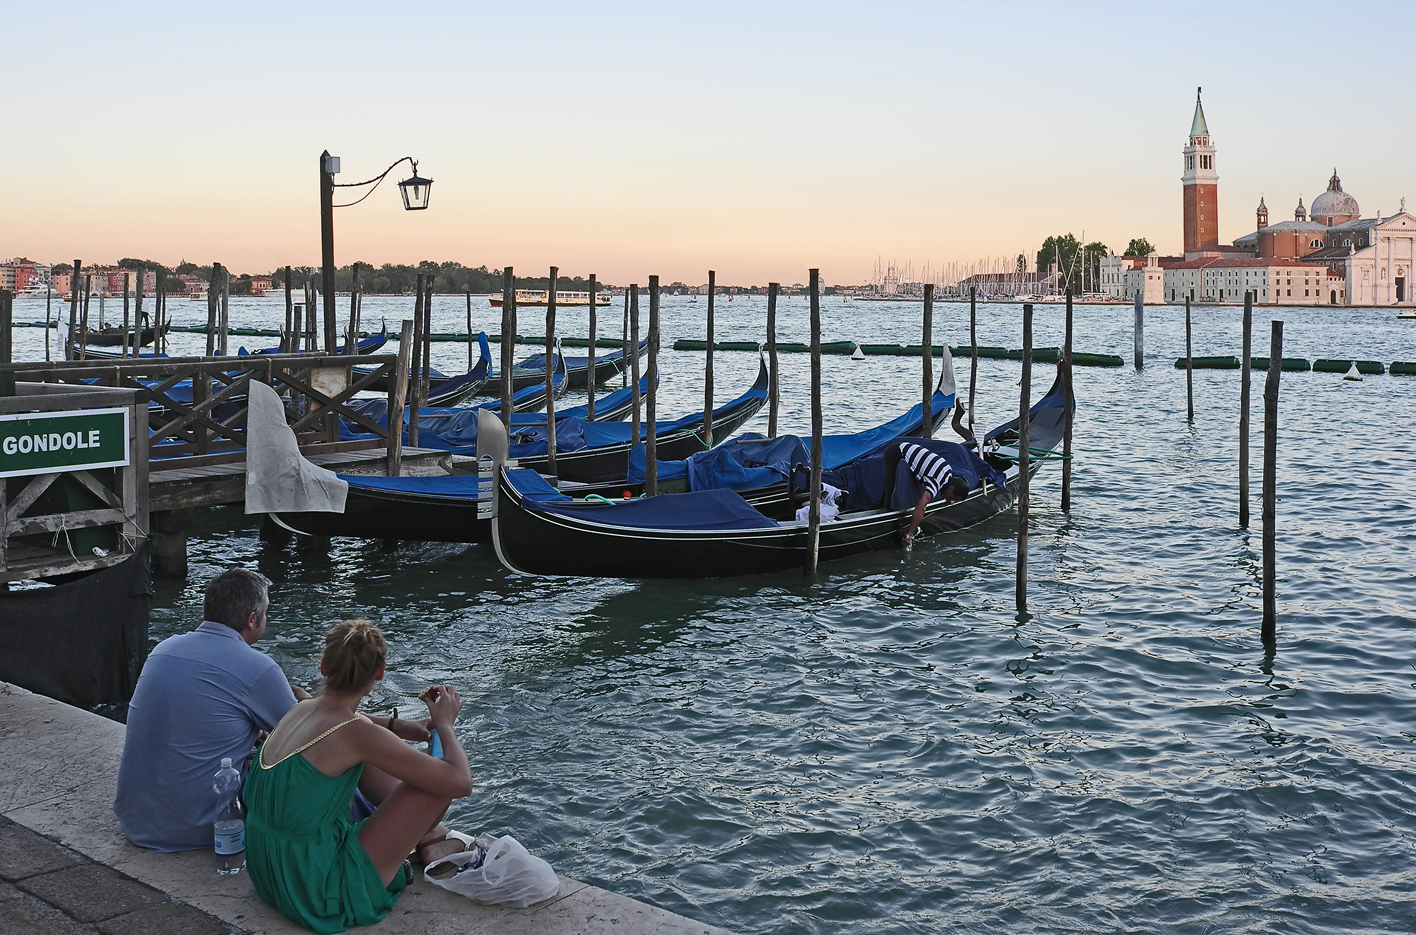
(65, 868)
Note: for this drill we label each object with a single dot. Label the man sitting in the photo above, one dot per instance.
(202, 696)
(933, 474)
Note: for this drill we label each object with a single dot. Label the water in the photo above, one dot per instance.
(230, 836)
(889, 749)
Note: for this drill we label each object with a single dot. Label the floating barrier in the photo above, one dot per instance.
(1209, 363)
(1292, 364)
(1342, 366)
(1402, 368)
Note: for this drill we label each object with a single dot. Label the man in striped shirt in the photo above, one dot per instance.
(933, 474)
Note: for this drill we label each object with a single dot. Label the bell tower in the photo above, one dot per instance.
(1201, 188)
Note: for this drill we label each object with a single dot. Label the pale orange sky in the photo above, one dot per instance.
(755, 139)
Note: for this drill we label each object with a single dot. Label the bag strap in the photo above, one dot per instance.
(302, 749)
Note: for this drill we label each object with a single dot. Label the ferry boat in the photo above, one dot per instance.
(535, 297)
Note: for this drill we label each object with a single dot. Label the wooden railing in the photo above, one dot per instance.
(197, 405)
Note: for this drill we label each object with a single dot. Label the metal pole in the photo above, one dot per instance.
(708, 367)
(550, 370)
(1245, 368)
(772, 395)
(327, 249)
(651, 450)
(813, 520)
(926, 429)
(634, 365)
(1271, 479)
(1189, 364)
(1067, 416)
(1021, 587)
(508, 342)
(591, 373)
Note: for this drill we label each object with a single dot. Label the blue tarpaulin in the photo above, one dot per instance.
(837, 450)
(701, 510)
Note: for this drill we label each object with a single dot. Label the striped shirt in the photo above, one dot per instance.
(932, 471)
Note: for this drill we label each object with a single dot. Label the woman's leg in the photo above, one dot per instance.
(378, 785)
(405, 818)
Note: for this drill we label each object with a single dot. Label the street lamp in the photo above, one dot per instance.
(415, 192)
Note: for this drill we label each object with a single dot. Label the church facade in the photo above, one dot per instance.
(1326, 255)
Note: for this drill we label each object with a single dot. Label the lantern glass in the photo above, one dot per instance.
(415, 192)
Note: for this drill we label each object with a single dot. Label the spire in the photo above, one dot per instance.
(1198, 127)
(1301, 213)
(1334, 183)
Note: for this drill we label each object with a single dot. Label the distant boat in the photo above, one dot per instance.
(1409, 313)
(542, 297)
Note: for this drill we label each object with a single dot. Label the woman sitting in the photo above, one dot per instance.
(304, 854)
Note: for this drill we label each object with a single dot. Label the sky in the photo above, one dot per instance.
(758, 139)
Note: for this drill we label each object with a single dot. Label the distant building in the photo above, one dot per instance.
(23, 276)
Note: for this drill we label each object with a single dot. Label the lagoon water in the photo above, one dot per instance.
(888, 748)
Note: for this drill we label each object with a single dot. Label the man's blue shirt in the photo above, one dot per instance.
(202, 696)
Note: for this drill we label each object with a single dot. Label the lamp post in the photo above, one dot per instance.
(415, 192)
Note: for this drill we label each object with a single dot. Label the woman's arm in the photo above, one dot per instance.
(450, 776)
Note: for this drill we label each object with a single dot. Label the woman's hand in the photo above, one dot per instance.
(443, 704)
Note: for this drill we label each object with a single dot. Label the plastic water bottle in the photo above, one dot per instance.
(230, 827)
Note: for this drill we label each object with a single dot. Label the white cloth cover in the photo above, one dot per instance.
(830, 509)
(278, 478)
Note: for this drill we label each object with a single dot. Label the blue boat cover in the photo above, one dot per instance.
(463, 486)
(837, 450)
(534, 487)
(737, 465)
(618, 399)
(701, 510)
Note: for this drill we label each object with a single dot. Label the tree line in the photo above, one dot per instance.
(1073, 259)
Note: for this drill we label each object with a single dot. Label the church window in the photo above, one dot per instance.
(1290, 292)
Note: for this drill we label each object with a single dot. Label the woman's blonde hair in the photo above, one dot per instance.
(353, 652)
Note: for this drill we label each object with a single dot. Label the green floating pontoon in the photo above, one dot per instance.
(1294, 364)
(1209, 363)
(1342, 366)
(1401, 368)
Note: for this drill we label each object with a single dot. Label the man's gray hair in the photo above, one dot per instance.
(234, 595)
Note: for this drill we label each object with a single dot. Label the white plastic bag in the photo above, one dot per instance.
(504, 874)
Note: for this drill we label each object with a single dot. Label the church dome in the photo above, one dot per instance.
(1335, 205)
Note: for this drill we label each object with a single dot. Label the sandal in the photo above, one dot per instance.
(454, 842)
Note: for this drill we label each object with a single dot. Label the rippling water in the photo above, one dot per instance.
(888, 749)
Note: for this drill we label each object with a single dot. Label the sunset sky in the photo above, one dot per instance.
(757, 139)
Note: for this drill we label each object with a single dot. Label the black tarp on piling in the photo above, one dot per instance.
(82, 642)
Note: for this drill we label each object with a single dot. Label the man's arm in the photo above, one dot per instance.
(918, 517)
(270, 699)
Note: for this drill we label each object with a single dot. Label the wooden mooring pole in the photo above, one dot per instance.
(634, 363)
(471, 338)
(7, 334)
(973, 356)
(708, 367)
(591, 373)
(74, 282)
(625, 366)
(1189, 365)
(1275, 370)
(212, 298)
(1245, 366)
(225, 310)
(1021, 587)
(84, 317)
(48, 316)
(550, 369)
(127, 322)
(926, 427)
(425, 384)
(287, 337)
(138, 315)
(417, 361)
(813, 516)
(400, 396)
(1070, 402)
(508, 342)
(651, 444)
(772, 388)
(351, 342)
(1140, 336)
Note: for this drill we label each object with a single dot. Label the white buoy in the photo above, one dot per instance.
(857, 354)
(1352, 373)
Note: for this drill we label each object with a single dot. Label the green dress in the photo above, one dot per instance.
(303, 852)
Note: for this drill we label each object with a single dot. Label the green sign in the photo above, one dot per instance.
(50, 442)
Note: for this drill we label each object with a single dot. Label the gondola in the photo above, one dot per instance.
(445, 508)
(577, 369)
(369, 345)
(114, 337)
(716, 533)
(445, 390)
